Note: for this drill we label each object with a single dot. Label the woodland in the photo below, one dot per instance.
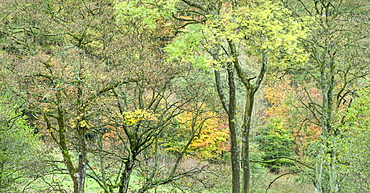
(118, 96)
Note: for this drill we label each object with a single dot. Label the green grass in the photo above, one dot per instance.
(218, 179)
(286, 184)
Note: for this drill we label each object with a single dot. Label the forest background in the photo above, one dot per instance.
(184, 96)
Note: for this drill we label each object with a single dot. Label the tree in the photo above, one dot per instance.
(337, 64)
(139, 128)
(136, 116)
(92, 76)
(61, 69)
(241, 39)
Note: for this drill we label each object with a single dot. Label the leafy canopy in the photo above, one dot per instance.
(255, 27)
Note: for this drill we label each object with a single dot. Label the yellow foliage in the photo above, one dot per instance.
(254, 27)
(133, 117)
(211, 134)
(83, 123)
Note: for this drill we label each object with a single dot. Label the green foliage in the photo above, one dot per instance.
(353, 145)
(18, 145)
(69, 55)
(146, 13)
(255, 27)
(276, 141)
(277, 135)
(188, 46)
(265, 24)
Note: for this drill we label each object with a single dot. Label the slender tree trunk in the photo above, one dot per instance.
(333, 179)
(318, 174)
(61, 140)
(235, 150)
(125, 176)
(327, 85)
(82, 161)
(81, 131)
(245, 139)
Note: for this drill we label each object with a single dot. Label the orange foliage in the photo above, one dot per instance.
(208, 131)
(284, 105)
(212, 139)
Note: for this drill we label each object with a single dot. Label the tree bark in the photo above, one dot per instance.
(125, 176)
(235, 150)
(82, 161)
(318, 174)
(230, 108)
(245, 139)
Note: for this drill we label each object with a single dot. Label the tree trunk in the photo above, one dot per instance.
(61, 141)
(245, 139)
(82, 162)
(81, 132)
(318, 174)
(235, 150)
(333, 179)
(327, 85)
(125, 177)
